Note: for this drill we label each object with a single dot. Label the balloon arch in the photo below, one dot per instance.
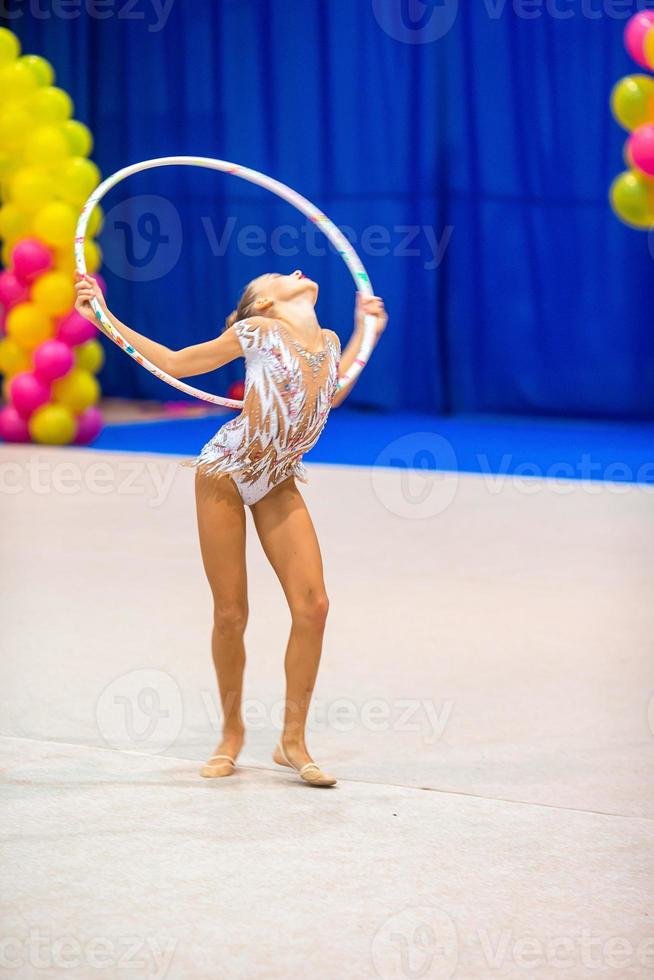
(632, 102)
(49, 354)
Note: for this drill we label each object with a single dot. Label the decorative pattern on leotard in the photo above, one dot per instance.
(288, 395)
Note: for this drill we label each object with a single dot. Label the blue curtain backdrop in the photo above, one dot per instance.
(469, 148)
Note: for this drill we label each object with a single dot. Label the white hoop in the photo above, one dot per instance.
(336, 237)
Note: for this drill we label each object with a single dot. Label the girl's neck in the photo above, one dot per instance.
(300, 316)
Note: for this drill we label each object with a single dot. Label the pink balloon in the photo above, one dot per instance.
(641, 149)
(52, 359)
(30, 258)
(634, 35)
(12, 427)
(28, 393)
(3, 318)
(74, 329)
(89, 425)
(101, 283)
(12, 290)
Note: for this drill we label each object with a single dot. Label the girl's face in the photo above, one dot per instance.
(282, 288)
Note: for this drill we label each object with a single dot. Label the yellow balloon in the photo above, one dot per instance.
(8, 168)
(7, 163)
(93, 256)
(14, 222)
(77, 390)
(89, 356)
(632, 101)
(648, 48)
(55, 224)
(9, 46)
(40, 68)
(13, 358)
(17, 81)
(77, 178)
(53, 292)
(28, 325)
(6, 250)
(52, 425)
(64, 259)
(15, 127)
(47, 146)
(79, 137)
(50, 105)
(31, 189)
(632, 199)
(96, 220)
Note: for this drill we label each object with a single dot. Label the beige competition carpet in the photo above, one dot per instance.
(486, 699)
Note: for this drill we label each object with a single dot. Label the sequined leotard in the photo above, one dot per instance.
(288, 395)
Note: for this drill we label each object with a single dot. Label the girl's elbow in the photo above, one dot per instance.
(173, 364)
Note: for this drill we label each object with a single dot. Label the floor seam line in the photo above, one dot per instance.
(363, 782)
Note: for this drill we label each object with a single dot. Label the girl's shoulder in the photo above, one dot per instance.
(250, 330)
(331, 335)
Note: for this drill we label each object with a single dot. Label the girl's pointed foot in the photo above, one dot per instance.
(223, 763)
(309, 771)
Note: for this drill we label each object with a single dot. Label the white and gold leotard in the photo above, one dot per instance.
(288, 395)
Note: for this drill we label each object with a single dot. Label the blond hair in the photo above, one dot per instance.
(245, 306)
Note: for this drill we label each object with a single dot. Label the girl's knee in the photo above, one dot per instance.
(311, 610)
(230, 619)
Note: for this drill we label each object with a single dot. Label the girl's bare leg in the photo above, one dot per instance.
(289, 540)
(221, 524)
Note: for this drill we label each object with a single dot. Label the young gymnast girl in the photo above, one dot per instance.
(292, 371)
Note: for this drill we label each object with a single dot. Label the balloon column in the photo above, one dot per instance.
(632, 101)
(49, 354)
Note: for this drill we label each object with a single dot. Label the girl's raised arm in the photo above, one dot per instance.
(365, 305)
(197, 359)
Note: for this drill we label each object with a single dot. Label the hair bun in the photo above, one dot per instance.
(231, 319)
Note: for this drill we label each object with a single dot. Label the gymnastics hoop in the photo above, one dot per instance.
(336, 237)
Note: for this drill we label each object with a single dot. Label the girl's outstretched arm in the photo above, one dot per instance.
(365, 305)
(184, 363)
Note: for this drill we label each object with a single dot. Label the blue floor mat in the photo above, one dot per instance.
(621, 452)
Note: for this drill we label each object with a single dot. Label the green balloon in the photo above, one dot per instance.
(632, 101)
(40, 68)
(632, 199)
(78, 136)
